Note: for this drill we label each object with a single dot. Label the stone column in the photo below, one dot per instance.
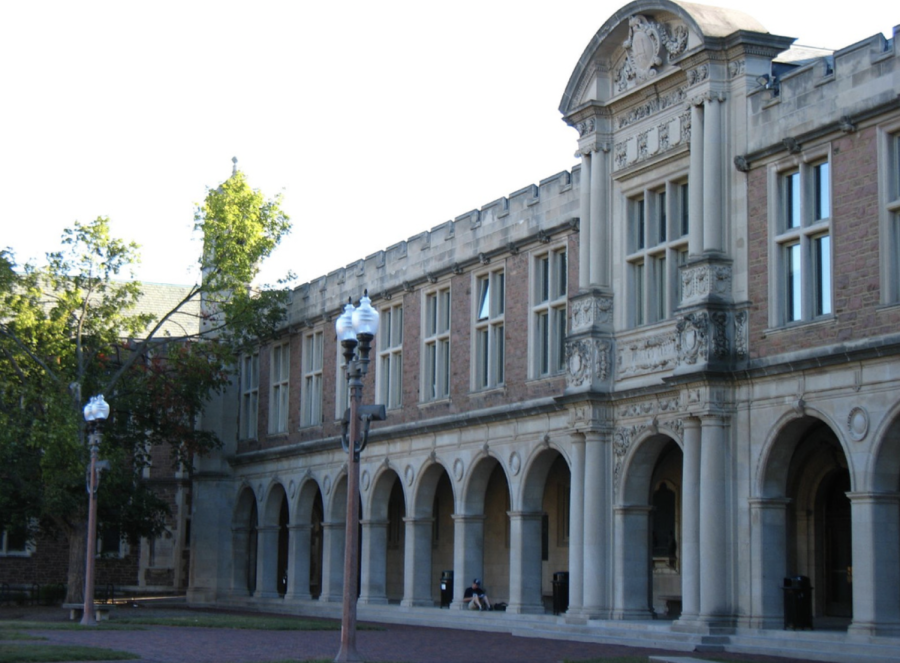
(333, 536)
(695, 182)
(525, 563)
(768, 561)
(712, 177)
(576, 527)
(632, 595)
(239, 544)
(690, 522)
(298, 562)
(713, 540)
(599, 223)
(267, 563)
(584, 241)
(417, 575)
(373, 560)
(597, 515)
(468, 554)
(875, 520)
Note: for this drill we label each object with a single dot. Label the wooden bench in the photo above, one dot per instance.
(102, 611)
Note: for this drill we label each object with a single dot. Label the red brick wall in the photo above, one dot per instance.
(855, 247)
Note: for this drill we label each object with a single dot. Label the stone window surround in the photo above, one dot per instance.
(652, 267)
(546, 335)
(389, 371)
(805, 234)
(888, 139)
(312, 389)
(279, 387)
(6, 551)
(249, 414)
(435, 372)
(489, 356)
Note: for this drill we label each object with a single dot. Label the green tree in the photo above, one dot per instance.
(78, 327)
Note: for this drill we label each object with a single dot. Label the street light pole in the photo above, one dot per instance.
(355, 327)
(95, 412)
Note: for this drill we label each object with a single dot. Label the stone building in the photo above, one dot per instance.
(671, 373)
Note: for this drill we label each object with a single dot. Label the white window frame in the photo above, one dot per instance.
(656, 246)
(548, 320)
(488, 333)
(249, 414)
(342, 386)
(279, 387)
(389, 374)
(800, 207)
(313, 371)
(6, 551)
(888, 138)
(436, 321)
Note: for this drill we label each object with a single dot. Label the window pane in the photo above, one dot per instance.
(500, 294)
(659, 297)
(822, 246)
(639, 293)
(560, 340)
(561, 275)
(499, 345)
(638, 224)
(823, 191)
(685, 200)
(792, 199)
(543, 285)
(543, 343)
(484, 299)
(794, 311)
(663, 217)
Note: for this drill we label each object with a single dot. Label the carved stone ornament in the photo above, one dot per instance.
(587, 360)
(858, 423)
(515, 463)
(705, 280)
(591, 311)
(409, 474)
(365, 480)
(740, 334)
(458, 469)
(326, 484)
(644, 50)
(647, 354)
(741, 163)
(693, 338)
(586, 127)
(719, 321)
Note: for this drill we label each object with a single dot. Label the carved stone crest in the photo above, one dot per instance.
(587, 360)
(591, 311)
(693, 337)
(644, 50)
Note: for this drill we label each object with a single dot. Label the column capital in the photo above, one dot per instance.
(873, 498)
(374, 523)
(627, 509)
(525, 515)
(466, 518)
(768, 502)
(418, 520)
(300, 527)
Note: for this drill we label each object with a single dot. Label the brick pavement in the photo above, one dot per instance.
(395, 643)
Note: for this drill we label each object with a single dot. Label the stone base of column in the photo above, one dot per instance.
(765, 623)
(331, 598)
(266, 595)
(575, 617)
(525, 608)
(417, 603)
(630, 615)
(595, 612)
(705, 625)
(891, 630)
(372, 600)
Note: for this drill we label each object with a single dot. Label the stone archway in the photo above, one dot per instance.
(648, 571)
(273, 544)
(429, 537)
(383, 541)
(306, 549)
(244, 532)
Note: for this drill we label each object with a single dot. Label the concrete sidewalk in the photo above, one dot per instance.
(395, 643)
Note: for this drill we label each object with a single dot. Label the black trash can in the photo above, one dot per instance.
(797, 603)
(560, 592)
(446, 588)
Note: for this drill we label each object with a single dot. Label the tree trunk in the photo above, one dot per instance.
(76, 537)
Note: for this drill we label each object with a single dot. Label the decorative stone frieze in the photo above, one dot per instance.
(648, 354)
(658, 103)
(736, 68)
(740, 334)
(698, 74)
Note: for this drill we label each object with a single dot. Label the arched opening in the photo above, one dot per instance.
(819, 521)
(396, 543)
(383, 542)
(283, 541)
(441, 533)
(316, 545)
(496, 536)
(648, 523)
(252, 548)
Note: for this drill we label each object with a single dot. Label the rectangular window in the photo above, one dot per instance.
(390, 356)
(313, 349)
(803, 243)
(342, 386)
(436, 339)
(889, 210)
(549, 312)
(280, 372)
(654, 288)
(14, 541)
(249, 396)
(489, 331)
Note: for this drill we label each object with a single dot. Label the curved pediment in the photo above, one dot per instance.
(642, 41)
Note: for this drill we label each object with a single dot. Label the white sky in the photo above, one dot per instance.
(377, 120)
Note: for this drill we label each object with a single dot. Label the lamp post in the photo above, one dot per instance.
(95, 413)
(355, 327)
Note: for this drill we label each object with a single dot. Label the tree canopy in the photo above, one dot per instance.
(80, 326)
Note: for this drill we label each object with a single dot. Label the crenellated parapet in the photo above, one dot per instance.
(814, 92)
(536, 213)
